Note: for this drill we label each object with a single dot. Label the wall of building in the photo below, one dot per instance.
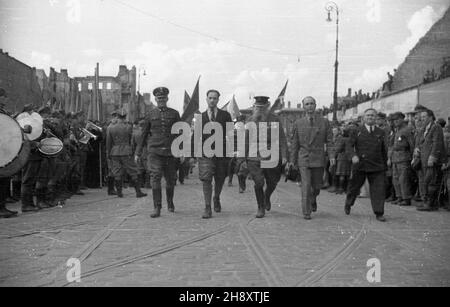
(20, 83)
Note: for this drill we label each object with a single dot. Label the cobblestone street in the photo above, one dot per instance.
(119, 245)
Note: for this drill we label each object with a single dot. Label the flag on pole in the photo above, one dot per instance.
(193, 105)
(186, 100)
(278, 104)
(233, 109)
(225, 107)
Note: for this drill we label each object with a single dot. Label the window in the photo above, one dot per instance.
(108, 85)
(100, 86)
(79, 87)
(90, 86)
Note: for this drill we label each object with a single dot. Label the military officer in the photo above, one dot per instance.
(400, 158)
(213, 167)
(310, 135)
(157, 137)
(367, 147)
(118, 151)
(135, 140)
(110, 177)
(265, 176)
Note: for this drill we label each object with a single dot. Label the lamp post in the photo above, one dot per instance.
(330, 7)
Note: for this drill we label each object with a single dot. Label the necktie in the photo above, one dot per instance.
(371, 129)
(311, 121)
(213, 116)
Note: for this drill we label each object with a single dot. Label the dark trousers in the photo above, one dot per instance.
(432, 184)
(4, 190)
(162, 166)
(377, 189)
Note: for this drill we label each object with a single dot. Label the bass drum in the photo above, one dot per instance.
(14, 147)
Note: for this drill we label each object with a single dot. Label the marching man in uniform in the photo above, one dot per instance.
(118, 151)
(268, 176)
(157, 137)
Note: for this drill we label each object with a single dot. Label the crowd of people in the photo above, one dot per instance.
(384, 157)
(417, 166)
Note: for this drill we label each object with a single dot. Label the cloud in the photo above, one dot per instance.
(92, 52)
(374, 13)
(43, 60)
(371, 79)
(419, 23)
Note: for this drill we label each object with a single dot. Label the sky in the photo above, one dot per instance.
(239, 47)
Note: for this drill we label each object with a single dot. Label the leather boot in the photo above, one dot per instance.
(27, 202)
(340, 188)
(119, 187)
(405, 203)
(333, 188)
(40, 198)
(110, 182)
(428, 206)
(267, 193)
(137, 187)
(157, 200)
(242, 185)
(207, 193)
(5, 213)
(259, 192)
(169, 197)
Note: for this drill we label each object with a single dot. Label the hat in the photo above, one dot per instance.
(160, 91)
(397, 115)
(420, 108)
(381, 115)
(441, 122)
(44, 109)
(261, 101)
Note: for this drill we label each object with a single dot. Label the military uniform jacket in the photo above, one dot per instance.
(156, 135)
(271, 120)
(137, 139)
(118, 140)
(370, 148)
(403, 147)
(431, 144)
(308, 142)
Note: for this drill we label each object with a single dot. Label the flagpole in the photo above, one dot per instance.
(97, 103)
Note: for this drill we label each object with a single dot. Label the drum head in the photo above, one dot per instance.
(35, 121)
(50, 146)
(11, 139)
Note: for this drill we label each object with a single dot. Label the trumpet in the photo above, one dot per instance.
(87, 136)
(91, 125)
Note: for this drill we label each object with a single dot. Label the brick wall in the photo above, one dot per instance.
(20, 83)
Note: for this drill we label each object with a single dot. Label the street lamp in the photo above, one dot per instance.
(330, 7)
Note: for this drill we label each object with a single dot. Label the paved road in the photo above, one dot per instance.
(119, 245)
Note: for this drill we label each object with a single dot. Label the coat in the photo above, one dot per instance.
(308, 142)
(404, 144)
(118, 140)
(370, 148)
(157, 135)
(431, 145)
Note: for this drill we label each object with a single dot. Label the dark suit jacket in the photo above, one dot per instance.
(433, 145)
(370, 148)
(222, 118)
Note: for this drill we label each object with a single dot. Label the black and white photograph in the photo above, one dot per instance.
(224, 149)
